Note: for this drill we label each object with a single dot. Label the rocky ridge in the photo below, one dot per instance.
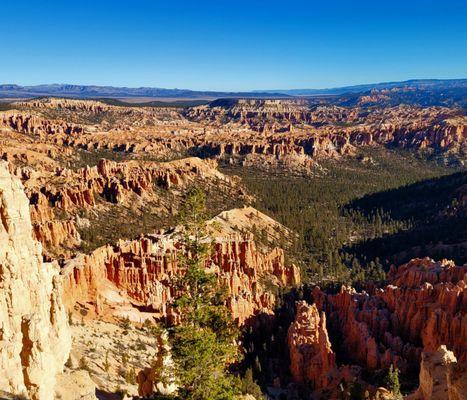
(59, 202)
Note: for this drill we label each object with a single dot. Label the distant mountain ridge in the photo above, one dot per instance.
(425, 84)
(95, 91)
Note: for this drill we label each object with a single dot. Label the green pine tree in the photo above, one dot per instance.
(392, 382)
(204, 343)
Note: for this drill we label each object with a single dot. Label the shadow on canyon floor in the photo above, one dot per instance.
(433, 209)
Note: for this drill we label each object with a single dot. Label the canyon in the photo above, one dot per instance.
(295, 133)
(92, 242)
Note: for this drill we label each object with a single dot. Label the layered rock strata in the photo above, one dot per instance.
(145, 271)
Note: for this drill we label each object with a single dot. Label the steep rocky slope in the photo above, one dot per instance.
(34, 334)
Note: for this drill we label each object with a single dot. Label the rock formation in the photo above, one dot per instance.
(265, 230)
(311, 356)
(35, 125)
(34, 336)
(58, 205)
(422, 307)
(441, 377)
(328, 131)
(288, 134)
(409, 323)
(144, 270)
(77, 203)
(430, 304)
(76, 385)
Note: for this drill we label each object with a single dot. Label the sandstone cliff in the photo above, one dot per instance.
(311, 356)
(144, 271)
(422, 307)
(34, 336)
(441, 377)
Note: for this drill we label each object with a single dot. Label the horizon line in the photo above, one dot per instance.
(239, 91)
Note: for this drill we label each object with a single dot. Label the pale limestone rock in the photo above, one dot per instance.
(441, 377)
(34, 334)
(75, 385)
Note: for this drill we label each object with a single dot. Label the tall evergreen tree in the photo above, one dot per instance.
(204, 343)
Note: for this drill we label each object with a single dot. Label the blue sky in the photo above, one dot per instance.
(231, 45)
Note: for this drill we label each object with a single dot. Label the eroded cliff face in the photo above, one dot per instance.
(34, 336)
(329, 131)
(144, 271)
(35, 125)
(419, 317)
(441, 377)
(62, 203)
(311, 356)
(430, 304)
(291, 135)
(423, 306)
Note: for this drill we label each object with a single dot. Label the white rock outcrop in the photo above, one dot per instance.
(35, 339)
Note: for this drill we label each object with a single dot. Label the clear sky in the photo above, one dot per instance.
(231, 45)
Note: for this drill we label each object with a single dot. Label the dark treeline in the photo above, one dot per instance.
(350, 219)
(436, 215)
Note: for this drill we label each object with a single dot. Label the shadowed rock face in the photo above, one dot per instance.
(423, 306)
(34, 336)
